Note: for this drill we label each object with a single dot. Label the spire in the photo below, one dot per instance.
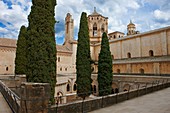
(95, 12)
(94, 9)
(130, 21)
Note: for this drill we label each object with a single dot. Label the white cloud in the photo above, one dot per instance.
(14, 17)
(162, 15)
(119, 12)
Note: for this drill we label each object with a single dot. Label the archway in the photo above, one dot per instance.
(151, 53)
(128, 55)
(115, 88)
(59, 99)
(141, 71)
(68, 87)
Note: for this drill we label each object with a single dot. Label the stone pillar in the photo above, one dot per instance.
(156, 68)
(34, 97)
(129, 68)
(164, 43)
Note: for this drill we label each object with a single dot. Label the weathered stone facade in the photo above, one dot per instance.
(7, 55)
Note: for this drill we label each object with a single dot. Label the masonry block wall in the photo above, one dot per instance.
(35, 97)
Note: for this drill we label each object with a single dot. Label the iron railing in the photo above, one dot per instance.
(12, 99)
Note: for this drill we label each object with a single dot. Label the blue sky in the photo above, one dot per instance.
(146, 14)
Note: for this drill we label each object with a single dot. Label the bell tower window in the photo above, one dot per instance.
(95, 29)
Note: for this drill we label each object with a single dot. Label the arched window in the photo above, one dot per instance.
(95, 29)
(141, 71)
(151, 53)
(60, 68)
(102, 28)
(6, 68)
(114, 36)
(65, 69)
(95, 89)
(68, 87)
(58, 59)
(75, 87)
(128, 55)
(59, 98)
(119, 36)
(118, 70)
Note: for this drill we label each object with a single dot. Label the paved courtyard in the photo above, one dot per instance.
(157, 102)
(4, 108)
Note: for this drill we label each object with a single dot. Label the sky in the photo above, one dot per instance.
(145, 14)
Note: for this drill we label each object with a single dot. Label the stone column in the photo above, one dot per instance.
(156, 68)
(34, 97)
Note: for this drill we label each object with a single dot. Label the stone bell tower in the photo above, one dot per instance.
(69, 29)
(97, 25)
(131, 28)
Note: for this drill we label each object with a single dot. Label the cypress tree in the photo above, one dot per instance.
(20, 59)
(105, 67)
(83, 59)
(41, 46)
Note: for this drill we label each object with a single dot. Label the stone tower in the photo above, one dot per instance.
(69, 29)
(97, 25)
(131, 28)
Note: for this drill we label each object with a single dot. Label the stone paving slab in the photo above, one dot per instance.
(156, 102)
(4, 107)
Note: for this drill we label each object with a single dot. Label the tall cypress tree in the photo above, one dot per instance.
(20, 59)
(41, 46)
(83, 59)
(105, 67)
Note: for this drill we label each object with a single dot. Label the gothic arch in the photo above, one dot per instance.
(68, 87)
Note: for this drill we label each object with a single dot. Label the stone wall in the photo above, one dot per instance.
(99, 102)
(34, 97)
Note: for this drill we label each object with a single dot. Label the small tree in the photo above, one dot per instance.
(83, 60)
(105, 67)
(20, 59)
